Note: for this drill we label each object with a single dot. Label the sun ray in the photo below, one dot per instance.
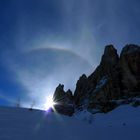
(49, 103)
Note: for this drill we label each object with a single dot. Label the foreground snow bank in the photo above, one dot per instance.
(122, 123)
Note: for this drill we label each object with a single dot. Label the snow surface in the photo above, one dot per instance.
(122, 123)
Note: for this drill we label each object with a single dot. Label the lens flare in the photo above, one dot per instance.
(49, 103)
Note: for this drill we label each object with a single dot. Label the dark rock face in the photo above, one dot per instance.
(130, 70)
(81, 89)
(63, 101)
(103, 84)
(108, 68)
(115, 78)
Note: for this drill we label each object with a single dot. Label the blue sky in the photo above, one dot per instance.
(46, 42)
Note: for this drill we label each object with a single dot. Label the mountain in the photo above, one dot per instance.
(64, 100)
(122, 123)
(113, 89)
(116, 78)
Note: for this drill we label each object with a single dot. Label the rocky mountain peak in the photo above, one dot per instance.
(82, 79)
(69, 92)
(59, 93)
(130, 69)
(131, 48)
(115, 78)
(63, 101)
(109, 50)
(110, 56)
(80, 88)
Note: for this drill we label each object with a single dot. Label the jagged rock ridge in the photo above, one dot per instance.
(64, 101)
(115, 78)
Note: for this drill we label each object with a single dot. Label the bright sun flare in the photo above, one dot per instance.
(49, 103)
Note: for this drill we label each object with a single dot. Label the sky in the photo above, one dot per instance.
(47, 42)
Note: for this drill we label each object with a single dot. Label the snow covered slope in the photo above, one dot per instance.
(122, 123)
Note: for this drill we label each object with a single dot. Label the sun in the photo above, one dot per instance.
(49, 103)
